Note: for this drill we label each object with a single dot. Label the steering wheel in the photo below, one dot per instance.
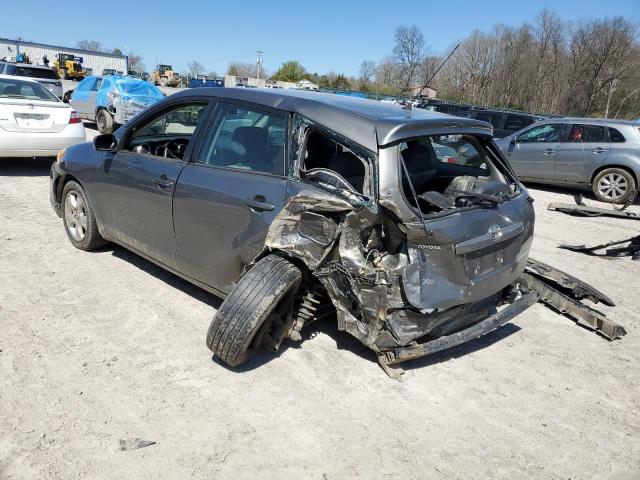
(175, 149)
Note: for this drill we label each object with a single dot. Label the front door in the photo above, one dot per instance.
(533, 153)
(134, 187)
(228, 195)
(585, 146)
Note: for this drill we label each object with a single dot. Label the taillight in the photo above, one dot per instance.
(74, 117)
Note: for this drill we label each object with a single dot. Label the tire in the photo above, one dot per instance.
(83, 234)
(104, 122)
(614, 185)
(164, 82)
(255, 312)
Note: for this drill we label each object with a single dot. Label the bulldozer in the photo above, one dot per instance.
(68, 67)
(165, 76)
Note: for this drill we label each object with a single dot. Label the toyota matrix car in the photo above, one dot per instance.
(298, 205)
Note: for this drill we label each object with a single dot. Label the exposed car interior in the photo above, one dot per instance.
(328, 162)
(168, 135)
(449, 171)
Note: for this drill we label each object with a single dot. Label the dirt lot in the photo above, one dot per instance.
(98, 347)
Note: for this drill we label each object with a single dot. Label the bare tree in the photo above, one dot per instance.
(242, 69)
(91, 45)
(195, 68)
(135, 63)
(408, 51)
(367, 72)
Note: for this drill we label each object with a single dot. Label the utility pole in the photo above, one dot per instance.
(259, 62)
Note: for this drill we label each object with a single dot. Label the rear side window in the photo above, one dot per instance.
(615, 136)
(517, 122)
(493, 118)
(588, 134)
(36, 73)
(246, 139)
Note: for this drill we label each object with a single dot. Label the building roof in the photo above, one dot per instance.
(62, 49)
(367, 122)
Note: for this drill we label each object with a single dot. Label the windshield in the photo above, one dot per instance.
(138, 87)
(10, 88)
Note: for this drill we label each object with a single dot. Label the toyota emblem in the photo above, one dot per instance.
(495, 232)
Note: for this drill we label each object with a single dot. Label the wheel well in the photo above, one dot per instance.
(62, 181)
(621, 167)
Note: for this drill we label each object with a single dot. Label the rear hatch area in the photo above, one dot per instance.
(475, 223)
(33, 116)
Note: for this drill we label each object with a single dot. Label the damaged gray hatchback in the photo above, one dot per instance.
(409, 225)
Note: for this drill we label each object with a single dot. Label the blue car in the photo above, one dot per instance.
(113, 100)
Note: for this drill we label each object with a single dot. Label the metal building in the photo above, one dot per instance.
(96, 61)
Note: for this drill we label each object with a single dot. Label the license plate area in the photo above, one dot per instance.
(482, 262)
(32, 120)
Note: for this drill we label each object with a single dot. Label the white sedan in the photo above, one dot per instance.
(33, 122)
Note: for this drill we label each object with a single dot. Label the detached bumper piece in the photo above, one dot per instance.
(632, 249)
(587, 211)
(563, 293)
(539, 283)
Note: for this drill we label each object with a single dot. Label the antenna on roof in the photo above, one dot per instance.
(426, 85)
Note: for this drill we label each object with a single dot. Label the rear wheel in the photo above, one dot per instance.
(164, 82)
(256, 312)
(614, 185)
(104, 121)
(79, 219)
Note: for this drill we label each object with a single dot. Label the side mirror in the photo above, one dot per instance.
(105, 143)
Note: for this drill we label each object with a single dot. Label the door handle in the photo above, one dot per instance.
(549, 151)
(598, 150)
(162, 182)
(259, 204)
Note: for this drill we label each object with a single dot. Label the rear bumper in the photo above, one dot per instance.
(41, 144)
(492, 322)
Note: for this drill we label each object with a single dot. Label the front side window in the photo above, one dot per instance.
(169, 134)
(244, 138)
(587, 134)
(542, 134)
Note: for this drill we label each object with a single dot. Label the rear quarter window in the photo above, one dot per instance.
(615, 136)
(36, 73)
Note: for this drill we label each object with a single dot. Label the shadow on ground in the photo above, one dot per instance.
(164, 275)
(25, 167)
(344, 341)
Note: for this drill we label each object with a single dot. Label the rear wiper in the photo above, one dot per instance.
(466, 198)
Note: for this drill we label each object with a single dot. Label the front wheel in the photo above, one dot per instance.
(104, 121)
(79, 219)
(614, 185)
(256, 312)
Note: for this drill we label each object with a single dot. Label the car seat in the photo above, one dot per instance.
(249, 148)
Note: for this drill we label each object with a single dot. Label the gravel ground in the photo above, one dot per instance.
(99, 347)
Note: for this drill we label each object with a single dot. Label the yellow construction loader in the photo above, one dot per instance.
(68, 67)
(165, 76)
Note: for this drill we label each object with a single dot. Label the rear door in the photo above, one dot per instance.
(91, 97)
(80, 96)
(228, 195)
(134, 187)
(585, 146)
(533, 152)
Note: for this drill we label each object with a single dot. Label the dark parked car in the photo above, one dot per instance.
(296, 204)
(581, 152)
(504, 122)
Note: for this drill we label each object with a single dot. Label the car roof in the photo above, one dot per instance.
(367, 122)
(592, 120)
(29, 65)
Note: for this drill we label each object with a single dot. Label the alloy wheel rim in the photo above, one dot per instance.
(613, 186)
(75, 215)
